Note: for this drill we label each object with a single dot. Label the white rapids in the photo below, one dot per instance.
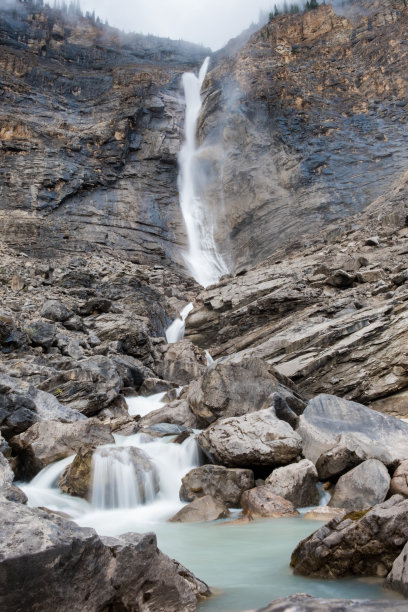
(175, 332)
(203, 260)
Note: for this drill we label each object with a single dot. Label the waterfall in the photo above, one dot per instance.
(202, 258)
(175, 332)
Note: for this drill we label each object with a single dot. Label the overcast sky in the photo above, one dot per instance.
(210, 22)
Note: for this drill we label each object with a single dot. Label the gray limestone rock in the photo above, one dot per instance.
(54, 563)
(176, 412)
(296, 482)
(6, 473)
(225, 484)
(253, 439)
(350, 450)
(360, 544)
(326, 417)
(202, 509)
(55, 310)
(182, 362)
(41, 333)
(234, 389)
(49, 441)
(363, 487)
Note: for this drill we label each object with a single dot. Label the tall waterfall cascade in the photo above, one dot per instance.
(203, 260)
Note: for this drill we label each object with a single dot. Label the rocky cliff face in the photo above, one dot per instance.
(91, 125)
(305, 124)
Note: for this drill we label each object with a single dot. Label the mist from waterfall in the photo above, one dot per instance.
(203, 260)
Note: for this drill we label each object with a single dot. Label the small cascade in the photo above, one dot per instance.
(175, 332)
(209, 359)
(122, 478)
(202, 258)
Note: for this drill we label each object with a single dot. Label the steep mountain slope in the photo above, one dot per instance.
(90, 128)
(306, 124)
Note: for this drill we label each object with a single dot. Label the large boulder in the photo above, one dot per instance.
(399, 481)
(22, 405)
(53, 563)
(77, 478)
(326, 417)
(41, 333)
(225, 484)
(255, 439)
(307, 603)
(201, 510)
(234, 389)
(364, 486)
(296, 482)
(54, 310)
(46, 442)
(397, 579)
(263, 502)
(361, 544)
(350, 450)
(182, 362)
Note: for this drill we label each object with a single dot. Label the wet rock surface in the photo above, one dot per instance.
(52, 560)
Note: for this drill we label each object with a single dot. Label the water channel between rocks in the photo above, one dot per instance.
(246, 565)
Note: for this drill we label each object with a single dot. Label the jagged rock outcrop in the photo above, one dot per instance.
(305, 124)
(54, 562)
(361, 544)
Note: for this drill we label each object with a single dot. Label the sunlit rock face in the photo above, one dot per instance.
(305, 124)
(92, 122)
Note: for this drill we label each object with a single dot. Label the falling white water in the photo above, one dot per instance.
(175, 332)
(122, 478)
(202, 258)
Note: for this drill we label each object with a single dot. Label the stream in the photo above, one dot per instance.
(246, 565)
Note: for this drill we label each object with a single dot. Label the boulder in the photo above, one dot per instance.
(41, 333)
(296, 482)
(54, 310)
(397, 579)
(307, 603)
(350, 450)
(201, 510)
(259, 438)
(364, 486)
(399, 481)
(12, 493)
(263, 502)
(361, 544)
(54, 563)
(132, 335)
(326, 417)
(225, 484)
(49, 441)
(22, 405)
(182, 362)
(234, 389)
(77, 477)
